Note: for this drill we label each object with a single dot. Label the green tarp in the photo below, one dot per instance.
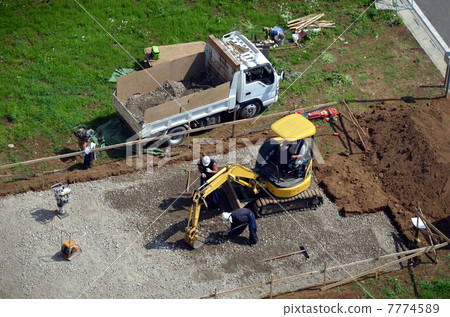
(115, 131)
(120, 72)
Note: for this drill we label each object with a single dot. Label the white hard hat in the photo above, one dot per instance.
(206, 160)
(226, 216)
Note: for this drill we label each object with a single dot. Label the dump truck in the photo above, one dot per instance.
(248, 84)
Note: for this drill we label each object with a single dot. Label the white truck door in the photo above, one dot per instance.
(259, 83)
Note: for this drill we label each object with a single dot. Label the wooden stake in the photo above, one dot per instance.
(378, 262)
(188, 184)
(421, 216)
(35, 165)
(281, 256)
(324, 273)
(354, 278)
(234, 119)
(443, 236)
(139, 152)
(271, 285)
(352, 119)
(430, 234)
(215, 293)
(188, 136)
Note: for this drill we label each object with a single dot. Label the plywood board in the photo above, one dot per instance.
(149, 79)
(141, 82)
(170, 53)
(222, 52)
(206, 97)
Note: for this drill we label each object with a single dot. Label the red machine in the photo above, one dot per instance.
(326, 114)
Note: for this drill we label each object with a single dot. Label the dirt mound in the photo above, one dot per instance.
(412, 157)
(408, 164)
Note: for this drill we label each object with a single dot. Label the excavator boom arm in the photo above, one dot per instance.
(237, 173)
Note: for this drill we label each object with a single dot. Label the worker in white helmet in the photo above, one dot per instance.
(239, 219)
(208, 168)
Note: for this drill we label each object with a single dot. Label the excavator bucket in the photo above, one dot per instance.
(193, 239)
(199, 242)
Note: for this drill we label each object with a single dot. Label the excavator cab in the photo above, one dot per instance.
(279, 160)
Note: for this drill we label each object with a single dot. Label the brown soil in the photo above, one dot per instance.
(407, 163)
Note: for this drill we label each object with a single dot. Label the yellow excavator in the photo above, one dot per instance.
(278, 183)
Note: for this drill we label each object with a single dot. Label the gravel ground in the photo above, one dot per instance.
(131, 231)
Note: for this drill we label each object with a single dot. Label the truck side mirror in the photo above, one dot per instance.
(281, 77)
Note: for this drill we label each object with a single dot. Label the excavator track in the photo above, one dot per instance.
(306, 200)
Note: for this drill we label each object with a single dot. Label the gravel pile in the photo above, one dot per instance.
(131, 231)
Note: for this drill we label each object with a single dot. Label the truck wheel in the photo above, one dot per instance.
(175, 140)
(249, 110)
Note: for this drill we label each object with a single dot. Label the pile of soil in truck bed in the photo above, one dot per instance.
(170, 90)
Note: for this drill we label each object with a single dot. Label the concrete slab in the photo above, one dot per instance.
(384, 5)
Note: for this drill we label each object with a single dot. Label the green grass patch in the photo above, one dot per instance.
(437, 288)
(328, 57)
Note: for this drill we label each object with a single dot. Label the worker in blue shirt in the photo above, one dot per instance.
(277, 34)
(239, 219)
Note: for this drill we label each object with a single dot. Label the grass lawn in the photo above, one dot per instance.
(56, 58)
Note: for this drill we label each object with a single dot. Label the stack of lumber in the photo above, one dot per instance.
(311, 20)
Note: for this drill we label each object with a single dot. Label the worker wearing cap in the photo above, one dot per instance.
(208, 168)
(239, 219)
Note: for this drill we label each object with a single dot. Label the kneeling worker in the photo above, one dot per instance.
(239, 219)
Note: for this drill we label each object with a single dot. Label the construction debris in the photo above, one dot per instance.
(312, 20)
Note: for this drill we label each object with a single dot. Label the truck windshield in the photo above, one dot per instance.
(263, 73)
